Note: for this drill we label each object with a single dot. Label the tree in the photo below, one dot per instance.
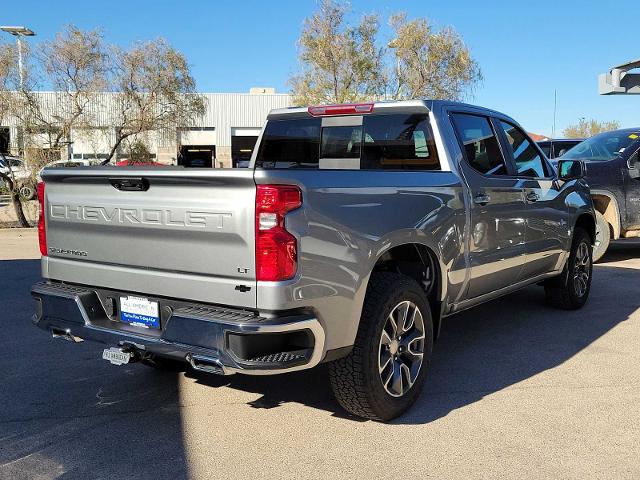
(588, 128)
(76, 65)
(430, 64)
(139, 153)
(7, 72)
(153, 91)
(341, 63)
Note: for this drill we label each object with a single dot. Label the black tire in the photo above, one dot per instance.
(566, 291)
(356, 379)
(164, 364)
(603, 237)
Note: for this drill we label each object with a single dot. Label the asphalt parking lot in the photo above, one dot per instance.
(516, 390)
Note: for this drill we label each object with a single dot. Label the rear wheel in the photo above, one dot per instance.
(603, 237)
(385, 372)
(570, 290)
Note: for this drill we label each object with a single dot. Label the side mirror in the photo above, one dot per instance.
(632, 165)
(571, 170)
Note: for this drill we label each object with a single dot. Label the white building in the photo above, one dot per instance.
(224, 135)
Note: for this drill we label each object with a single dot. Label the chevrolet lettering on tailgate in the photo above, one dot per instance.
(170, 217)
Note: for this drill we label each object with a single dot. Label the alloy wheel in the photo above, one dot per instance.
(582, 269)
(401, 348)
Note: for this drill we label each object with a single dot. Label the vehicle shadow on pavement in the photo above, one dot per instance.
(66, 413)
(480, 351)
(620, 250)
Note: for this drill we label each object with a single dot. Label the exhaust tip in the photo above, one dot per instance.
(206, 364)
(65, 334)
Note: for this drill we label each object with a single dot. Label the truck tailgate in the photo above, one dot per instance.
(162, 231)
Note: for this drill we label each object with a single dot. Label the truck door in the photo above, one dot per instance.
(631, 178)
(497, 243)
(547, 216)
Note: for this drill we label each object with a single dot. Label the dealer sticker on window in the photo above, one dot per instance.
(139, 311)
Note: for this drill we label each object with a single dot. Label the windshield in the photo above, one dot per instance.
(603, 147)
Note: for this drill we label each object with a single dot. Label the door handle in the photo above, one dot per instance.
(532, 197)
(481, 199)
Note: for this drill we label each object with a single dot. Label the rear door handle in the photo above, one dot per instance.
(532, 197)
(481, 199)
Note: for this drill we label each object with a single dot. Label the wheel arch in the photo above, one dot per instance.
(606, 203)
(421, 263)
(588, 223)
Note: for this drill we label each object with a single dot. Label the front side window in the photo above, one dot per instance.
(529, 162)
(480, 144)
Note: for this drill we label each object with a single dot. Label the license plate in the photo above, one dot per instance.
(139, 311)
(116, 356)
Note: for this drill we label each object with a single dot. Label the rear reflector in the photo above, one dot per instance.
(42, 233)
(276, 249)
(344, 109)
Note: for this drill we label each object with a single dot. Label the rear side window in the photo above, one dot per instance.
(290, 144)
(480, 144)
(398, 142)
(394, 142)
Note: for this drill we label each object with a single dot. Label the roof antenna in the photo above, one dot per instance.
(555, 106)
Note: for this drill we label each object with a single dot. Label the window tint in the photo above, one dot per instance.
(603, 147)
(546, 148)
(290, 144)
(480, 144)
(400, 142)
(560, 148)
(341, 142)
(528, 160)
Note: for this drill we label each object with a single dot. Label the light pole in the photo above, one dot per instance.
(19, 32)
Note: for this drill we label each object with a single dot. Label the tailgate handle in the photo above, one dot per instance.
(130, 184)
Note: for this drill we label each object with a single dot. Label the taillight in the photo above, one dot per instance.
(343, 109)
(276, 249)
(42, 233)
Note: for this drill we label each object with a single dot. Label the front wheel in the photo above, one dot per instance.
(385, 372)
(571, 289)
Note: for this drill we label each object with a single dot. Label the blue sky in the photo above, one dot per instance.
(525, 52)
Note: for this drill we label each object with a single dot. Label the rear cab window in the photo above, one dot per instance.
(368, 142)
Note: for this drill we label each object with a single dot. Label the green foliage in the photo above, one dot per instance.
(588, 128)
(340, 63)
(139, 153)
(343, 63)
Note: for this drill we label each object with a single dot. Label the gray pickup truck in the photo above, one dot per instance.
(356, 231)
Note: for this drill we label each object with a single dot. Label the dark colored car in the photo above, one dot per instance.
(557, 147)
(611, 160)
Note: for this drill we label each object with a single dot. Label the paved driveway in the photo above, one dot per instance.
(517, 390)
